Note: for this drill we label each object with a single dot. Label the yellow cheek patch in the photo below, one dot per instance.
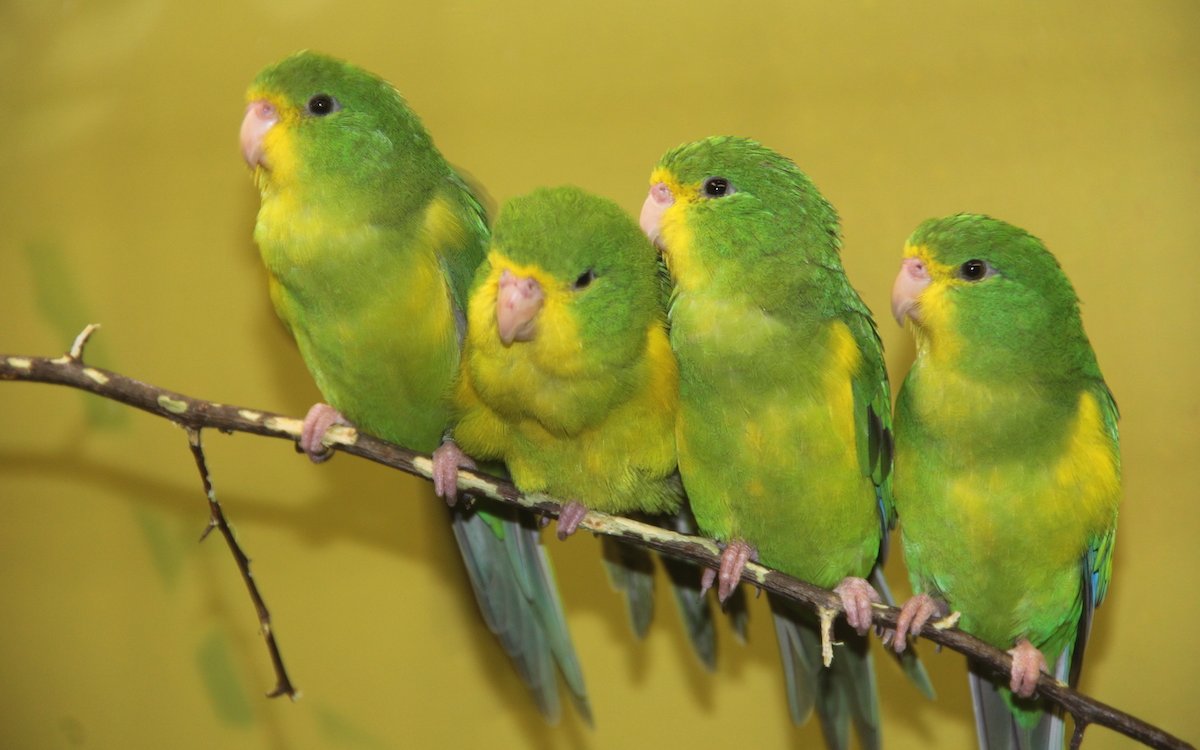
(665, 176)
(556, 347)
(676, 236)
(935, 306)
(279, 143)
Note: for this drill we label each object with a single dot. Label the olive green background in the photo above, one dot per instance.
(123, 201)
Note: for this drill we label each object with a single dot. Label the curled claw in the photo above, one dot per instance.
(913, 616)
(569, 517)
(857, 597)
(447, 460)
(1028, 663)
(312, 435)
(707, 576)
(733, 561)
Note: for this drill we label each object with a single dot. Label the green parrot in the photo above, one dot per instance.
(568, 377)
(370, 240)
(784, 422)
(1007, 469)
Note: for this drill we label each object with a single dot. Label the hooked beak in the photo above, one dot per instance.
(517, 305)
(910, 283)
(260, 117)
(657, 203)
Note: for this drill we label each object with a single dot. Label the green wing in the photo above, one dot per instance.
(873, 417)
(460, 259)
(1101, 569)
(873, 422)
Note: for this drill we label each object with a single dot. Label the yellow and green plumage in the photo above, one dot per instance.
(568, 376)
(585, 408)
(368, 245)
(370, 240)
(1007, 454)
(783, 430)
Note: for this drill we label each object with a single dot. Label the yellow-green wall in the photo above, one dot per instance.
(123, 201)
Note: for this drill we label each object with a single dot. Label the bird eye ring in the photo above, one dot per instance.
(323, 104)
(584, 279)
(974, 270)
(718, 187)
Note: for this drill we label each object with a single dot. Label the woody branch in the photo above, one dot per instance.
(195, 414)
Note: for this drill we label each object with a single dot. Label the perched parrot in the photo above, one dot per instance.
(784, 422)
(568, 377)
(1007, 469)
(370, 240)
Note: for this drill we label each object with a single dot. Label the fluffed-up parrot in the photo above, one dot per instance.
(1007, 470)
(784, 422)
(569, 379)
(370, 240)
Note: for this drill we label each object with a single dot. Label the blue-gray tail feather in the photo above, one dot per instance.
(998, 729)
(694, 610)
(514, 585)
(685, 577)
(631, 571)
(843, 695)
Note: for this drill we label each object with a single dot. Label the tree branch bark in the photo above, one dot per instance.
(283, 683)
(195, 414)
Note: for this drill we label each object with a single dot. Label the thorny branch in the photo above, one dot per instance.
(283, 684)
(194, 414)
(103, 381)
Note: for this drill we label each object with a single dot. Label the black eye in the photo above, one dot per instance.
(584, 279)
(973, 270)
(323, 104)
(717, 187)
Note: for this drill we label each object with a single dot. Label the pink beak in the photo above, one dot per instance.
(910, 283)
(260, 117)
(657, 203)
(517, 305)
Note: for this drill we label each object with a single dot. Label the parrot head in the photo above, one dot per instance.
(973, 282)
(732, 202)
(317, 121)
(568, 275)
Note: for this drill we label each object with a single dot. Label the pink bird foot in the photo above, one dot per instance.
(447, 460)
(913, 616)
(1028, 664)
(316, 423)
(569, 517)
(857, 597)
(733, 561)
